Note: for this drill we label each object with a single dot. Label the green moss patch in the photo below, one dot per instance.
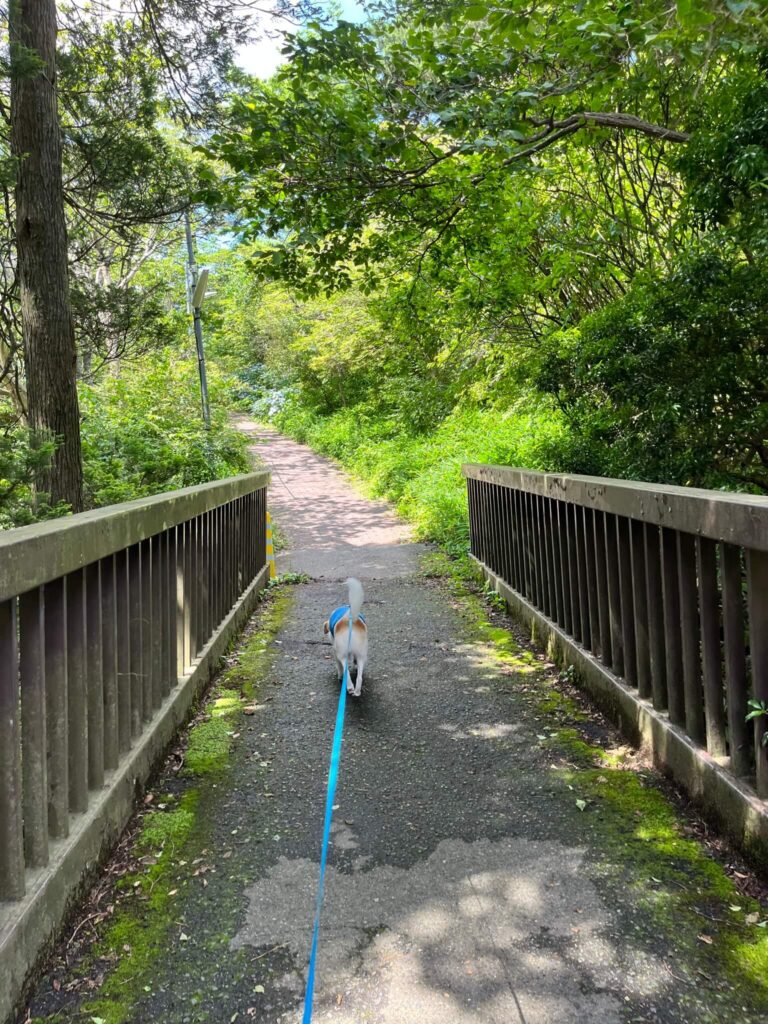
(174, 835)
(212, 736)
(210, 740)
(256, 650)
(636, 835)
(676, 882)
(138, 932)
(166, 830)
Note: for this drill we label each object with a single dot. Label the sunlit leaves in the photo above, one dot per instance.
(403, 123)
(668, 383)
(424, 157)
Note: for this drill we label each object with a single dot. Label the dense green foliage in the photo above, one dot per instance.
(421, 137)
(669, 382)
(143, 432)
(138, 84)
(19, 461)
(526, 235)
(141, 423)
(455, 232)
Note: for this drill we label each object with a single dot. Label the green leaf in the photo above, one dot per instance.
(759, 708)
(476, 12)
(690, 14)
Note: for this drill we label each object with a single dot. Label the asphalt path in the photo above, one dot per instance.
(465, 886)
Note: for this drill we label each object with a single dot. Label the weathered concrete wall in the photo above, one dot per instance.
(28, 927)
(33, 555)
(724, 798)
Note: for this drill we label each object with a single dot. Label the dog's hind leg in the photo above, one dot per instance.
(359, 678)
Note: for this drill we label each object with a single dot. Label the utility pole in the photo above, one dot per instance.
(195, 296)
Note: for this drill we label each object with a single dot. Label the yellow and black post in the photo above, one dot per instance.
(270, 549)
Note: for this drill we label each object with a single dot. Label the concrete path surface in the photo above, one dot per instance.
(481, 871)
(333, 531)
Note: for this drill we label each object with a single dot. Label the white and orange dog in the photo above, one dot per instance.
(355, 647)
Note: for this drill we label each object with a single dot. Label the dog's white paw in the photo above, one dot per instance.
(351, 688)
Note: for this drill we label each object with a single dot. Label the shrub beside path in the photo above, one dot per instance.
(498, 856)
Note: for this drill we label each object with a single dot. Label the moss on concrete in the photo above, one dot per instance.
(683, 890)
(138, 933)
(211, 738)
(636, 835)
(173, 834)
(167, 829)
(257, 651)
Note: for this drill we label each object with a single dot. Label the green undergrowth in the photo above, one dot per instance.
(639, 837)
(211, 738)
(173, 835)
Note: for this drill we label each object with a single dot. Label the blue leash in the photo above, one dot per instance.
(333, 778)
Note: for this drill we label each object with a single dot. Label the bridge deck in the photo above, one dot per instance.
(488, 867)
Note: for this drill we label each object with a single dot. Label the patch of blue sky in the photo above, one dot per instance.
(263, 57)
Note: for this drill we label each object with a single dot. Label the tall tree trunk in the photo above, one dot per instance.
(41, 239)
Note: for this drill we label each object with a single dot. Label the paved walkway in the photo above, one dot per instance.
(468, 883)
(334, 532)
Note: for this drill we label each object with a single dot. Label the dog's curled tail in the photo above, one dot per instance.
(355, 589)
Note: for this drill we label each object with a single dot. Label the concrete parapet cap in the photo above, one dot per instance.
(33, 555)
(720, 515)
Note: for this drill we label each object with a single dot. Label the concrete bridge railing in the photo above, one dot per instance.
(110, 623)
(659, 596)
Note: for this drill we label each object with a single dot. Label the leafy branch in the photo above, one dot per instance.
(759, 710)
